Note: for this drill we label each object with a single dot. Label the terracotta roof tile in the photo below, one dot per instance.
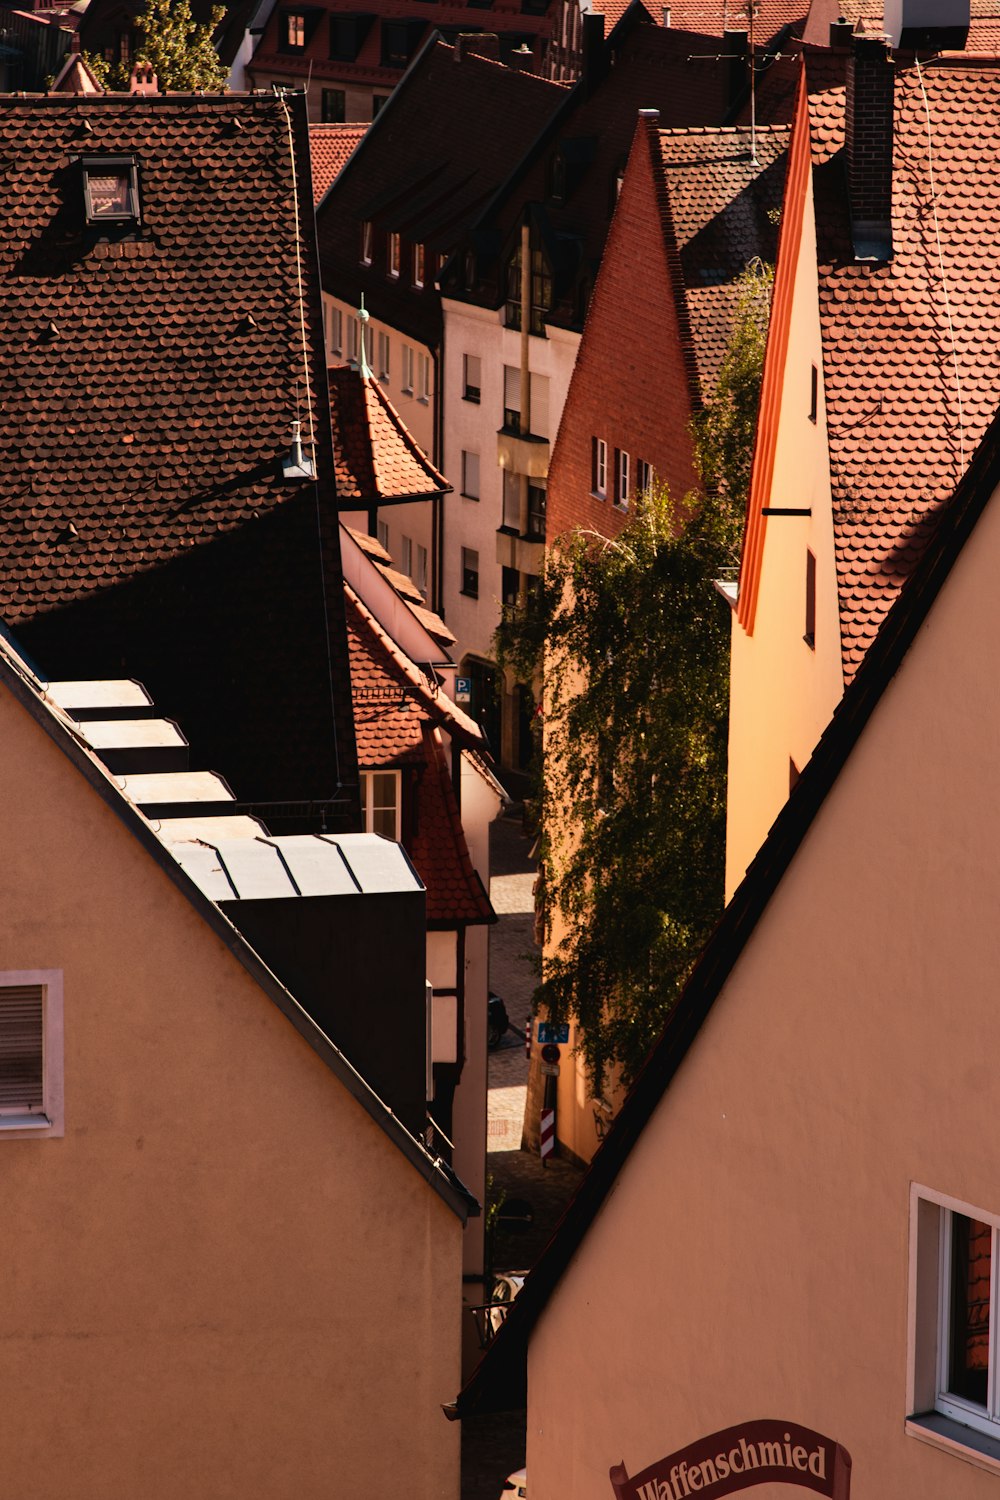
(145, 410)
(439, 849)
(714, 17)
(329, 147)
(377, 459)
(906, 407)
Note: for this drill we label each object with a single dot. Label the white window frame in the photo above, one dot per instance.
(336, 330)
(368, 809)
(643, 475)
(407, 373)
(50, 1120)
(424, 376)
(472, 390)
(406, 554)
(421, 578)
(383, 356)
(382, 534)
(419, 265)
(623, 466)
(353, 341)
(392, 255)
(965, 1424)
(470, 474)
(600, 468)
(367, 241)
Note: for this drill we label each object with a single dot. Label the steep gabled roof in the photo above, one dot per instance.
(378, 462)
(451, 133)
(156, 369)
(455, 893)
(75, 77)
(405, 588)
(499, 1383)
(330, 147)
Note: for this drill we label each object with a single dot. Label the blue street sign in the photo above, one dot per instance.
(549, 1033)
(463, 689)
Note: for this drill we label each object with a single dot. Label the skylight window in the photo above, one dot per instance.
(110, 189)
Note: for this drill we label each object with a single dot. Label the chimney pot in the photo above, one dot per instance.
(143, 80)
(841, 32)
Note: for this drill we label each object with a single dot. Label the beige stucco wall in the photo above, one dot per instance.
(225, 1280)
(752, 1258)
(782, 693)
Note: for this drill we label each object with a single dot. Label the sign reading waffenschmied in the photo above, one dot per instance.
(736, 1459)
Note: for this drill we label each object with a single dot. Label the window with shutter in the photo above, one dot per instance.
(31, 1061)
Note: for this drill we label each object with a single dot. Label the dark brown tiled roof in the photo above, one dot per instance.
(397, 712)
(722, 213)
(330, 146)
(378, 462)
(145, 409)
(438, 151)
(910, 347)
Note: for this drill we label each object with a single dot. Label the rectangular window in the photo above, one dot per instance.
(406, 551)
(470, 475)
(470, 572)
(954, 1363)
(539, 416)
(622, 488)
(367, 242)
(536, 512)
(511, 501)
(336, 330)
(377, 102)
(510, 586)
(472, 377)
(813, 393)
(333, 106)
(382, 534)
(810, 635)
(295, 31)
(643, 476)
(392, 257)
(421, 576)
(110, 189)
(407, 371)
(418, 265)
(512, 398)
(383, 356)
(31, 1053)
(352, 340)
(599, 467)
(380, 803)
(424, 377)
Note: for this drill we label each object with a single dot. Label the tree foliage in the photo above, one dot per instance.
(634, 644)
(179, 49)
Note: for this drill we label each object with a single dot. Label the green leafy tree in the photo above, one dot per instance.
(179, 49)
(634, 644)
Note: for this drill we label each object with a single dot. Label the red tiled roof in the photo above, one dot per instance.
(148, 529)
(396, 712)
(448, 139)
(907, 406)
(330, 146)
(720, 213)
(439, 849)
(715, 17)
(377, 460)
(613, 10)
(75, 77)
(405, 588)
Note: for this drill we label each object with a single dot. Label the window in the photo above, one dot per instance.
(333, 106)
(295, 31)
(418, 265)
(407, 370)
(510, 586)
(954, 1364)
(643, 475)
(622, 465)
(110, 189)
(383, 356)
(377, 102)
(336, 330)
(31, 1053)
(424, 377)
(347, 32)
(813, 392)
(536, 512)
(392, 256)
(406, 550)
(511, 501)
(472, 377)
(421, 578)
(470, 572)
(512, 398)
(470, 475)
(540, 291)
(810, 635)
(367, 242)
(382, 534)
(599, 467)
(352, 340)
(380, 802)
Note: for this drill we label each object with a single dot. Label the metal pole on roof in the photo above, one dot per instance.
(363, 316)
(751, 6)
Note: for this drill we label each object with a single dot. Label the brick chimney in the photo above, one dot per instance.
(143, 80)
(477, 44)
(736, 47)
(595, 58)
(868, 128)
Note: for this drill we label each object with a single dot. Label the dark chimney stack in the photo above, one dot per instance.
(841, 32)
(595, 63)
(736, 46)
(476, 44)
(869, 116)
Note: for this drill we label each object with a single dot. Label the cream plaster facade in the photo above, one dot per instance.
(473, 427)
(753, 1257)
(782, 690)
(225, 1279)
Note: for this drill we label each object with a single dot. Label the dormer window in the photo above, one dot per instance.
(295, 29)
(110, 189)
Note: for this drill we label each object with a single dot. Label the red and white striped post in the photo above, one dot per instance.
(547, 1142)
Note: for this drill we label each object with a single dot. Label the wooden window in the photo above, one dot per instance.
(810, 634)
(31, 1083)
(380, 801)
(392, 262)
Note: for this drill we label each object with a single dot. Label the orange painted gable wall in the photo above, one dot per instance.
(630, 385)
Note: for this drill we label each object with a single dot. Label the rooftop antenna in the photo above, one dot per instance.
(296, 465)
(363, 316)
(751, 8)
